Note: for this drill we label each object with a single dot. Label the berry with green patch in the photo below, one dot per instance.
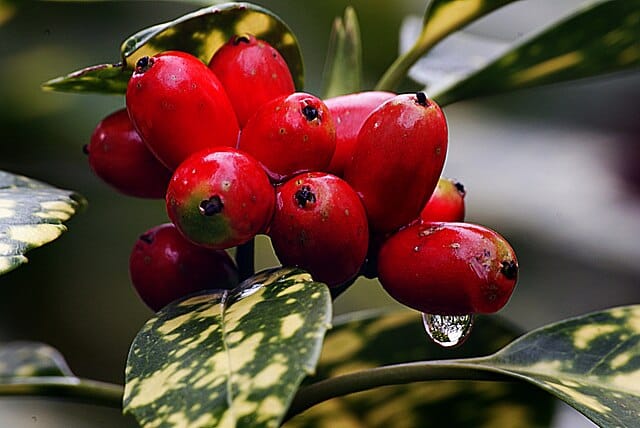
(446, 203)
(220, 198)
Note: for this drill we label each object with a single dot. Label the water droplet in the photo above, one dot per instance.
(448, 330)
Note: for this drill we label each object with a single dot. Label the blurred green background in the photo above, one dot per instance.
(553, 169)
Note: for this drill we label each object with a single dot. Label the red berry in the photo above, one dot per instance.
(448, 268)
(290, 135)
(120, 158)
(252, 73)
(398, 159)
(320, 225)
(164, 266)
(446, 202)
(220, 198)
(349, 113)
(179, 107)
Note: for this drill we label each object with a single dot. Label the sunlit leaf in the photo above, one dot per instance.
(200, 33)
(343, 67)
(229, 358)
(591, 362)
(441, 18)
(596, 39)
(374, 339)
(28, 359)
(31, 214)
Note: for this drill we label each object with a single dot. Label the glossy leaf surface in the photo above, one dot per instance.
(31, 214)
(199, 33)
(597, 39)
(229, 358)
(28, 359)
(343, 68)
(376, 339)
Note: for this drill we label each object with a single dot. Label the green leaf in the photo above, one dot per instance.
(31, 215)
(441, 18)
(597, 39)
(29, 359)
(343, 67)
(368, 340)
(228, 358)
(200, 33)
(591, 362)
(36, 369)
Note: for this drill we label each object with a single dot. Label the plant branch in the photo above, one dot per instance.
(83, 390)
(316, 393)
(245, 259)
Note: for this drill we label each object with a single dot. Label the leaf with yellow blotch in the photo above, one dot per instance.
(228, 358)
(199, 33)
(32, 214)
(373, 339)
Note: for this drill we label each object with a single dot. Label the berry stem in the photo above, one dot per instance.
(397, 374)
(245, 259)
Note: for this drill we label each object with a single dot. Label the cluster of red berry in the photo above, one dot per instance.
(346, 186)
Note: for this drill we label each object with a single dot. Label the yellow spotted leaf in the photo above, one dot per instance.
(31, 214)
(598, 38)
(228, 358)
(372, 339)
(30, 359)
(199, 33)
(591, 362)
(343, 67)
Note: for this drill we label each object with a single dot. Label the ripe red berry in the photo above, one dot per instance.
(446, 203)
(349, 113)
(164, 266)
(448, 268)
(397, 160)
(179, 107)
(320, 225)
(252, 73)
(120, 158)
(290, 135)
(220, 198)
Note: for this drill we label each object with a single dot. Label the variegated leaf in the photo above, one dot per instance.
(599, 38)
(375, 339)
(31, 214)
(591, 362)
(29, 359)
(200, 33)
(229, 358)
(441, 18)
(343, 67)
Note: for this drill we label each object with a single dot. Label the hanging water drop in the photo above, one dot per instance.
(448, 330)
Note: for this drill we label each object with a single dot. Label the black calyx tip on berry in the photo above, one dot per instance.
(211, 206)
(310, 112)
(304, 195)
(460, 188)
(422, 99)
(85, 149)
(146, 238)
(242, 38)
(143, 64)
(509, 269)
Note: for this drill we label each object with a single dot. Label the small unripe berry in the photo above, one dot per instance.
(446, 203)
